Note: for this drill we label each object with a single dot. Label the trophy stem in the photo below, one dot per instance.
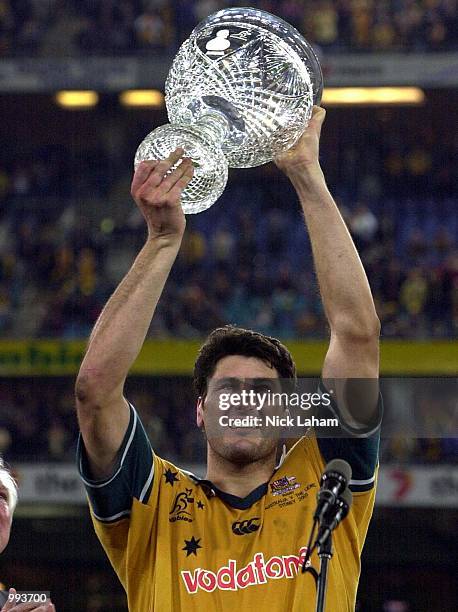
(214, 125)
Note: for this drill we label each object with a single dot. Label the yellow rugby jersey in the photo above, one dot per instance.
(178, 543)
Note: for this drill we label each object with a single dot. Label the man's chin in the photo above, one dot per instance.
(243, 449)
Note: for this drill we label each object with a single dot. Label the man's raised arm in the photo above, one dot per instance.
(354, 345)
(120, 331)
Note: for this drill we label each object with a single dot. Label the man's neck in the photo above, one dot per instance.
(236, 479)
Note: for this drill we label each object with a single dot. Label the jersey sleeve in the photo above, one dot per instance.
(359, 450)
(111, 498)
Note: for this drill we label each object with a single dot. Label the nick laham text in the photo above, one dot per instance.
(255, 421)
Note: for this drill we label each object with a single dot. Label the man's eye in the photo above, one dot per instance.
(229, 386)
(263, 388)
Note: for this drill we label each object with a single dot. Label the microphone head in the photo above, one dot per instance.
(334, 481)
(344, 502)
(347, 497)
(341, 467)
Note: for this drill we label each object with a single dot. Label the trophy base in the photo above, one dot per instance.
(210, 165)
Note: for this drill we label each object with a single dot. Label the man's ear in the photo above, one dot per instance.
(200, 408)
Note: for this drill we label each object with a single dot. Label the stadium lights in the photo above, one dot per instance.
(77, 99)
(142, 97)
(334, 96)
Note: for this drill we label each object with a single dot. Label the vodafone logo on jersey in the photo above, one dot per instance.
(258, 571)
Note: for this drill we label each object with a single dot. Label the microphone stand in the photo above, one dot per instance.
(325, 554)
(332, 508)
(321, 579)
(324, 544)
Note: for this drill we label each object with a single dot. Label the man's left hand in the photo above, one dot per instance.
(304, 155)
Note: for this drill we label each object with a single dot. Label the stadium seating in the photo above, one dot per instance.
(137, 26)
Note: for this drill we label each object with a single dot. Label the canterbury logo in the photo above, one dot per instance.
(245, 527)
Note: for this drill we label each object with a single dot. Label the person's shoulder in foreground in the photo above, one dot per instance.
(10, 601)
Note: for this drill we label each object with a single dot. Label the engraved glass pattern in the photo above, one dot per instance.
(239, 92)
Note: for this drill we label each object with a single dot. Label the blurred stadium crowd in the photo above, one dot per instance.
(54, 282)
(69, 27)
(247, 259)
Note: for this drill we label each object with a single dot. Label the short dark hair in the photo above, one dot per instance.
(232, 340)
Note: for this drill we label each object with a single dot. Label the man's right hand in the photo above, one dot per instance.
(159, 196)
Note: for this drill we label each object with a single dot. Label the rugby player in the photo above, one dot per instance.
(235, 540)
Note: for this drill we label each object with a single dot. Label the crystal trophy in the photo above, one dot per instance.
(239, 92)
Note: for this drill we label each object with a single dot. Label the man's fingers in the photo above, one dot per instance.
(164, 166)
(9, 604)
(152, 190)
(146, 168)
(318, 116)
(175, 192)
(175, 155)
(12, 606)
(32, 607)
(142, 173)
(184, 169)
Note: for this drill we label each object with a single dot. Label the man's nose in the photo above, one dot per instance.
(248, 395)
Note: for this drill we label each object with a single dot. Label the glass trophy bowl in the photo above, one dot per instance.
(239, 92)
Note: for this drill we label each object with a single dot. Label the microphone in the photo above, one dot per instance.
(334, 516)
(333, 503)
(335, 479)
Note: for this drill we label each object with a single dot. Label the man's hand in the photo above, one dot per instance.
(12, 606)
(304, 155)
(158, 196)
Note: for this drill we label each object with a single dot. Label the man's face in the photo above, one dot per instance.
(5, 516)
(234, 375)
